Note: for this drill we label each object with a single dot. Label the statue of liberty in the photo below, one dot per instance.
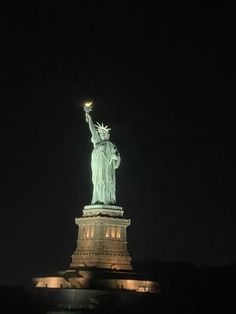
(105, 160)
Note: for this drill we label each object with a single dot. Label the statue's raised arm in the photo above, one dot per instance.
(95, 136)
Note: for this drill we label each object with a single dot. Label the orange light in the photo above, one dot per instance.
(113, 232)
(118, 233)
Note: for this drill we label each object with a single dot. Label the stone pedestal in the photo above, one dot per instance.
(102, 240)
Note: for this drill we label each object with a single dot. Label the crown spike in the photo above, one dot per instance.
(102, 127)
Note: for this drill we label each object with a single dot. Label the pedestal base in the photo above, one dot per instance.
(102, 239)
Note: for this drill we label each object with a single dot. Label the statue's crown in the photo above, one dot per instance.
(102, 127)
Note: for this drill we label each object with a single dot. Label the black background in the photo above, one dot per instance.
(163, 78)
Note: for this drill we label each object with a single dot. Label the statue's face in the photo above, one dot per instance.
(104, 135)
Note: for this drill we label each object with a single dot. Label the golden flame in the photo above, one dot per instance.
(88, 104)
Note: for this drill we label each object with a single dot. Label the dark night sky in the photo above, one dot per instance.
(163, 78)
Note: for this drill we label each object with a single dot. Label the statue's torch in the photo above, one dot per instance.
(88, 106)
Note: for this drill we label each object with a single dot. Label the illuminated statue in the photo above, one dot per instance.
(105, 160)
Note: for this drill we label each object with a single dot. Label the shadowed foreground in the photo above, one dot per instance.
(184, 289)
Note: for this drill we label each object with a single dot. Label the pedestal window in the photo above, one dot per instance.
(88, 232)
(112, 232)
